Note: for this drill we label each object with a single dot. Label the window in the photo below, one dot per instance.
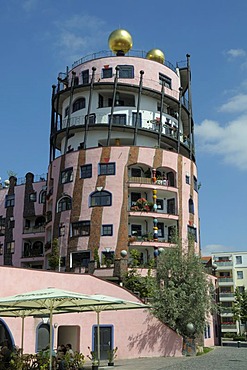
(9, 201)
(209, 331)
(78, 104)
(11, 224)
(100, 198)
(106, 73)
(43, 336)
(160, 226)
(171, 209)
(136, 172)
(136, 230)
(42, 196)
(195, 184)
(160, 204)
(135, 197)
(101, 101)
(1, 249)
(33, 197)
(10, 247)
(191, 206)
(166, 80)
(107, 258)
(240, 275)
(80, 259)
(90, 119)
(118, 119)
(66, 111)
(239, 260)
(2, 226)
(64, 204)
(86, 171)
(192, 232)
(187, 179)
(139, 120)
(126, 71)
(67, 175)
(85, 77)
(107, 230)
(81, 228)
(107, 168)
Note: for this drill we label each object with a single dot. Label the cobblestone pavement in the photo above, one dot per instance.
(221, 358)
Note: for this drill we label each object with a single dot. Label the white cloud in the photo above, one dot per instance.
(210, 249)
(237, 103)
(227, 141)
(79, 36)
(29, 5)
(235, 53)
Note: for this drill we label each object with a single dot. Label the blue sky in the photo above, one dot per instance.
(39, 38)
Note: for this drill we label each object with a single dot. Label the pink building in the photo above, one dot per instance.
(122, 175)
(136, 333)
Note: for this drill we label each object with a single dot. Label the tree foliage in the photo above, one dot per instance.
(240, 306)
(182, 293)
(54, 258)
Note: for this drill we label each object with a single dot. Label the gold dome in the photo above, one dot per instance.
(120, 42)
(156, 55)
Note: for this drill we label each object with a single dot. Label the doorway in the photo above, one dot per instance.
(106, 340)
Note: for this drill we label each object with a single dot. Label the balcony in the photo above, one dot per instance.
(225, 281)
(227, 297)
(226, 310)
(31, 253)
(228, 327)
(34, 230)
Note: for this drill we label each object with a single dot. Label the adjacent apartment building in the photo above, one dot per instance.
(231, 270)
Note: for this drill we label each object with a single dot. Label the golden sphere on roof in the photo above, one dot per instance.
(120, 41)
(156, 55)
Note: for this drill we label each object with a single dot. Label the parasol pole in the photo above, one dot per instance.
(98, 337)
(22, 333)
(50, 364)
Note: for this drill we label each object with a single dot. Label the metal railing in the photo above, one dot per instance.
(225, 280)
(34, 230)
(223, 263)
(107, 53)
(227, 295)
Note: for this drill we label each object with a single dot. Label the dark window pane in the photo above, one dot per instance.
(86, 171)
(126, 71)
(107, 169)
(85, 77)
(106, 72)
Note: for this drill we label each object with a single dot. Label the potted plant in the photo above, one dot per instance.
(94, 359)
(112, 354)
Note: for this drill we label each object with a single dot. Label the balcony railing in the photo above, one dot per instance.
(146, 238)
(228, 326)
(225, 280)
(226, 309)
(227, 295)
(223, 263)
(34, 230)
(107, 53)
(148, 180)
(32, 253)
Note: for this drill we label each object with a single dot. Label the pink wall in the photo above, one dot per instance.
(136, 332)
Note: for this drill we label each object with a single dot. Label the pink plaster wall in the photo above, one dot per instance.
(136, 332)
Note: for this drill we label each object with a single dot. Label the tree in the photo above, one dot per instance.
(54, 258)
(133, 279)
(240, 307)
(182, 292)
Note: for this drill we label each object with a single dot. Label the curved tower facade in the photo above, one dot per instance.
(122, 172)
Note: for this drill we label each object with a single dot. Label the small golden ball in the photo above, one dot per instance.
(156, 55)
(120, 40)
